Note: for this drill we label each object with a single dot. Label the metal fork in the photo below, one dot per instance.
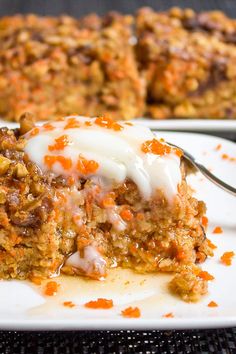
(199, 167)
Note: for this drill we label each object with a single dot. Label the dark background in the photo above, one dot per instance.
(82, 7)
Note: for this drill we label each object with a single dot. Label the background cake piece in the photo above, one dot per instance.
(55, 66)
(189, 62)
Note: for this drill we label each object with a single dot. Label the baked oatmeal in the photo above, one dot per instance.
(56, 66)
(189, 61)
(81, 195)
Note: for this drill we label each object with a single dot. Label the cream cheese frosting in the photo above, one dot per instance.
(84, 147)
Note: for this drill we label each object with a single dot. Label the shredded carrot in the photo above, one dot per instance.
(131, 312)
(156, 147)
(225, 156)
(86, 167)
(108, 123)
(211, 245)
(126, 214)
(168, 315)
(217, 230)
(34, 131)
(181, 255)
(60, 143)
(226, 258)
(36, 280)
(99, 304)
(51, 288)
(66, 162)
(204, 221)
(218, 147)
(68, 304)
(205, 275)
(88, 123)
(128, 123)
(48, 126)
(212, 304)
(72, 123)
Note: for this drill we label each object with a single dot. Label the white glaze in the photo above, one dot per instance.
(91, 263)
(118, 153)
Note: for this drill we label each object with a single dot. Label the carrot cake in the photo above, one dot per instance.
(56, 66)
(81, 195)
(188, 61)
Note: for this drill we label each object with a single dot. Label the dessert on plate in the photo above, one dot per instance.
(56, 66)
(173, 64)
(188, 61)
(82, 195)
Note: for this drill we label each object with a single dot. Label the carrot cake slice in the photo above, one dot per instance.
(82, 195)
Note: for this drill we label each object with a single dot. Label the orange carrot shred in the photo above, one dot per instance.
(205, 275)
(168, 315)
(131, 312)
(226, 258)
(126, 215)
(225, 156)
(72, 123)
(51, 288)
(181, 255)
(108, 123)
(218, 147)
(48, 126)
(60, 143)
(36, 280)
(66, 162)
(68, 304)
(99, 304)
(86, 167)
(34, 131)
(211, 245)
(204, 221)
(212, 304)
(156, 147)
(217, 230)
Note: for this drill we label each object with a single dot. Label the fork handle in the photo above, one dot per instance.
(226, 187)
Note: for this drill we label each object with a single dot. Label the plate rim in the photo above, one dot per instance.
(212, 321)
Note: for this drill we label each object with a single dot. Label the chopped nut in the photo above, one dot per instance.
(20, 170)
(4, 165)
(26, 122)
(37, 188)
(2, 197)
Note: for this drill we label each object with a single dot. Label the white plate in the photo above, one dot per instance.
(23, 306)
(198, 125)
(195, 125)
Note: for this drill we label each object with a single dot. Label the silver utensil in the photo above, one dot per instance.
(199, 167)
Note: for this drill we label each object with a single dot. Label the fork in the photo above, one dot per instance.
(199, 167)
